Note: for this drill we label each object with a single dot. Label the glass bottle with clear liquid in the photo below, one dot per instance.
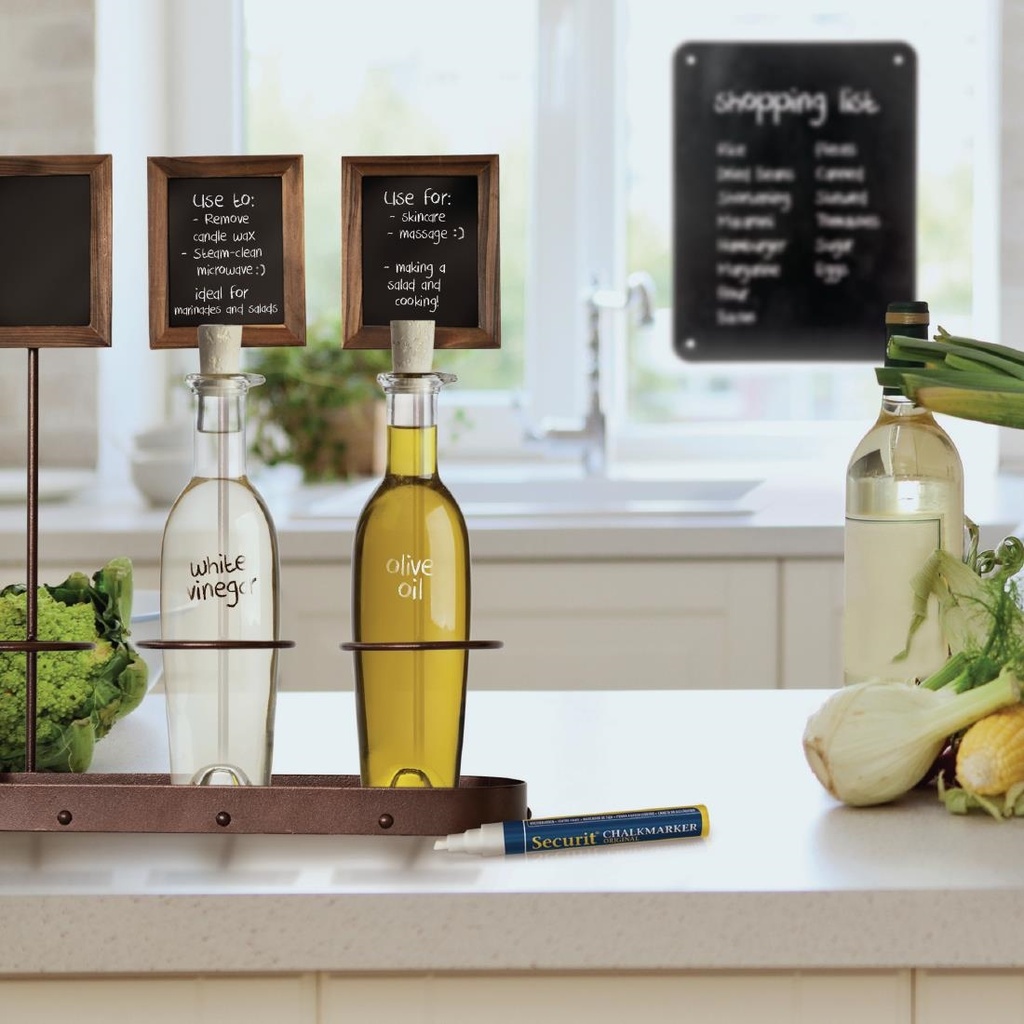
(904, 499)
(411, 584)
(219, 583)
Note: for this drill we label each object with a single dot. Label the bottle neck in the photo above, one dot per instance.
(896, 404)
(913, 326)
(412, 422)
(220, 436)
(412, 451)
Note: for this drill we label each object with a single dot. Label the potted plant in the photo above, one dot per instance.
(321, 407)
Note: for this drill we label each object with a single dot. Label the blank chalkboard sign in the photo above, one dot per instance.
(421, 243)
(55, 217)
(226, 248)
(795, 195)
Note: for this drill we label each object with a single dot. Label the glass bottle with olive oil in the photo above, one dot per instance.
(411, 585)
(904, 499)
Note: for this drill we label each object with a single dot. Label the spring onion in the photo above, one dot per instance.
(958, 376)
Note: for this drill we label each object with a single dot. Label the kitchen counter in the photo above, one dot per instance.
(787, 878)
(787, 516)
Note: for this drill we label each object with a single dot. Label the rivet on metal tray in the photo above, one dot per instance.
(385, 821)
(223, 819)
(64, 817)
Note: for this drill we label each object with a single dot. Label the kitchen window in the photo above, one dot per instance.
(575, 97)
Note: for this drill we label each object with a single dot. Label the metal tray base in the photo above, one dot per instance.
(292, 804)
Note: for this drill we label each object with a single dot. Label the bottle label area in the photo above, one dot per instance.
(410, 575)
(882, 556)
(222, 578)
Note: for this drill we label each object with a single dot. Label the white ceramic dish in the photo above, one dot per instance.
(161, 476)
(174, 435)
(54, 484)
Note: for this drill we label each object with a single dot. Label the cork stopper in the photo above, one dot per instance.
(220, 347)
(412, 346)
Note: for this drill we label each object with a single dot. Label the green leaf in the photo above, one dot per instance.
(72, 752)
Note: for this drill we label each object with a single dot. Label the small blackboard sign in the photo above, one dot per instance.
(795, 194)
(226, 247)
(55, 270)
(421, 243)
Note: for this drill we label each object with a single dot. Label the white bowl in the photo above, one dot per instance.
(161, 476)
(171, 436)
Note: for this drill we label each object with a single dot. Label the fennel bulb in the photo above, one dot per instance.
(872, 742)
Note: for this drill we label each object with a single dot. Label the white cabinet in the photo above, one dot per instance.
(570, 625)
(612, 624)
(316, 612)
(883, 997)
(996, 997)
(811, 625)
(203, 1000)
(769, 997)
(618, 625)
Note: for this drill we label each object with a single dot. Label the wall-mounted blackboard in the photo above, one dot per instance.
(795, 194)
(420, 242)
(226, 247)
(55, 269)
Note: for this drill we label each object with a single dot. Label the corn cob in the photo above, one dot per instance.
(990, 759)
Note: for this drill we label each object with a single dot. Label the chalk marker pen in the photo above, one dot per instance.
(540, 834)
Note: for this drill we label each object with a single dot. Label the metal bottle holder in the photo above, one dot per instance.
(32, 801)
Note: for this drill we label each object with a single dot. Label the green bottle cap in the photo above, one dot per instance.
(911, 319)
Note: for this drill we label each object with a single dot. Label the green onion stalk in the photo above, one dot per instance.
(958, 376)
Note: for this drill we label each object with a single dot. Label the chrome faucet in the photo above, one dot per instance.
(590, 437)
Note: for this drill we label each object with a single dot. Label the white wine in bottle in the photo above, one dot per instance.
(904, 499)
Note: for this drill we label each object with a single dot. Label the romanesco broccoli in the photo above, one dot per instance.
(79, 694)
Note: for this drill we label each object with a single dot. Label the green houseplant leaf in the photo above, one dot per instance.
(318, 402)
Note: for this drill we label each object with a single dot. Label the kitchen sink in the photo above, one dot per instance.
(529, 493)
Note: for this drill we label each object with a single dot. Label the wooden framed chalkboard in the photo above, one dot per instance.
(226, 247)
(420, 242)
(795, 195)
(55, 246)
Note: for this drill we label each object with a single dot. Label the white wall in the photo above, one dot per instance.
(1011, 190)
(46, 109)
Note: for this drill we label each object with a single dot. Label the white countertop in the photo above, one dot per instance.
(788, 516)
(787, 878)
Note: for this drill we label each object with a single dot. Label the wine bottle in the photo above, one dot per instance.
(904, 499)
